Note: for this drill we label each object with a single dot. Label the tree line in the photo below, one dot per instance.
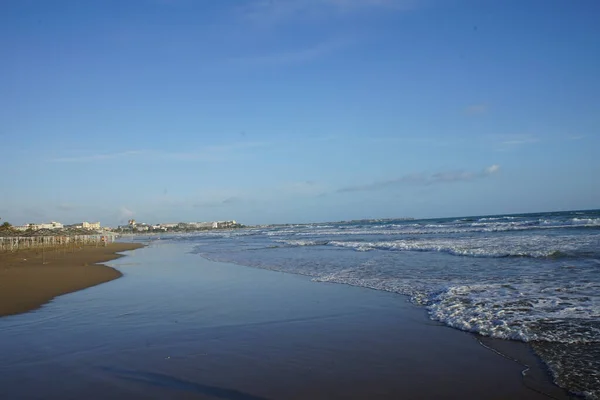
(5, 226)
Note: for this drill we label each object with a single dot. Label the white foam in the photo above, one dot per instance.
(529, 246)
(516, 311)
(502, 224)
(300, 242)
(504, 311)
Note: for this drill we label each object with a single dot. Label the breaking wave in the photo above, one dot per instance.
(531, 246)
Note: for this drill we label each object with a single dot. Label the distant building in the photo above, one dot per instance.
(85, 225)
(224, 224)
(199, 225)
(90, 225)
(37, 227)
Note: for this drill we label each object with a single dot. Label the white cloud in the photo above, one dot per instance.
(492, 169)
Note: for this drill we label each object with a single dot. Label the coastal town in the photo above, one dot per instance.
(56, 234)
(132, 226)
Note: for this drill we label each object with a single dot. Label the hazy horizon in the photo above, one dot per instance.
(297, 111)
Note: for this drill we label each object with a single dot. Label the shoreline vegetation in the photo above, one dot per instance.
(30, 278)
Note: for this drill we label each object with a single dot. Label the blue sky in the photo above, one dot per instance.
(297, 110)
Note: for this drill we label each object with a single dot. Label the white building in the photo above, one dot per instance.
(224, 224)
(199, 225)
(37, 227)
(168, 226)
(90, 225)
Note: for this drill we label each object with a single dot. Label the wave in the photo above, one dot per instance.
(500, 218)
(302, 243)
(518, 312)
(523, 312)
(437, 228)
(458, 249)
(533, 246)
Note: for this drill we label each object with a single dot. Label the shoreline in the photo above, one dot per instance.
(31, 278)
(232, 331)
(536, 376)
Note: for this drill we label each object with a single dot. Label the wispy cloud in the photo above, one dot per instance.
(66, 207)
(518, 142)
(207, 153)
(232, 200)
(577, 137)
(300, 55)
(221, 197)
(476, 109)
(212, 153)
(304, 188)
(278, 11)
(219, 203)
(511, 142)
(99, 157)
(424, 179)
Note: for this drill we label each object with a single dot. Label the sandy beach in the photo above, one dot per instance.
(31, 278)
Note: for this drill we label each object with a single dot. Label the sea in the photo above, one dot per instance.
(533, 278)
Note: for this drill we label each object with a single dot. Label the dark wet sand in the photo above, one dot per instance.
(31, 278)
(180, 327)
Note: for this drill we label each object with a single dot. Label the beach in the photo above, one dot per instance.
(183, 327)
(31, 278)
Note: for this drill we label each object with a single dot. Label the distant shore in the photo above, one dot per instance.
(31, 278)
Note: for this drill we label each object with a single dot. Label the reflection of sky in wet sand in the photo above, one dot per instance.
(177, 325)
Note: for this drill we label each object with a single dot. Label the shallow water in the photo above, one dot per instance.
(179, 326)
(530, 277)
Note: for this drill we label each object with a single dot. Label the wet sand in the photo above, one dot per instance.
(182, 327)
(31, 278)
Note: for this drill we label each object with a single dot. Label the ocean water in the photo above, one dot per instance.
(530, 277)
